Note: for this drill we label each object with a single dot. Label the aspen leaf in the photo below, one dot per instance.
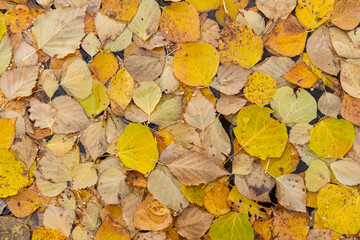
(349, 78)
(111, 230)
(47, 233)
(317, 175)
(271, 142)
(90, 215)
(121, 88)
(294, 107)
(18, 82)
(166, 189)
(350, 109)
(313, 13)
(204, 6)
(97, 101)
(252, 20)
(26, 150)
(290, 225)
(70, 115)
(104, 65)
(94, 139)
(301, 75)
(281, 10)
(193, 223)
(194, 194)
(232, 7)
(193, 168)
(326, 141)
(242, 164)
(91, 5)
(155, 41)
(84, 175)
(239, 45)
(5, 53)
(112, 186)
(43, 115)
(122, 10)
(168, 111)
(13, 228)
(61, 144)
(215, 200)
(152, 215)
(287, 38)
(52, 28)
(137, 148)
(48, 82)
(21, 53)
(290, 192)
(147, 96)
(129, 204)
(200, 112)
(285, 164)
(320, 50)
(227, 105)
(195, 64)
(3, 26)
(231, 226)
(59, 218)
(7, 132)
(48, 188)
(230, 78)
(342, 44)
(260, 88)
(180, 22)
(209, 31)
(146, 20)
(107, 28)
(346, 14)
(300, 133)
(91, 44)
(338, 208)
(18, 18)
(329, 104)
(346, 171)
(121, 42)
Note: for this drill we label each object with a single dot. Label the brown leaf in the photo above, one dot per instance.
(350, 109)
(346, 14)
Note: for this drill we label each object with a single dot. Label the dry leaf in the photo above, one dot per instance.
(329, 104)
(43, 115)
(350, 109)
(346, 14)
(276, 9)
(107, 28)
(94, 139)
(59, 218)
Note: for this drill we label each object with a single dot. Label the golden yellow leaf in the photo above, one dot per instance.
(260, 88)
(290, 225)
(239, 45)
(259, 134)
(137, 148)
(204, 5)
(7, 132)
(180, 22)
(104, 65)
(121, 88)
(215, 200)
(195, 194)
(301, 75)
(195, 64)
(3, 26)
(263, 227)
(19, 18)
(122, 10)
(111, 230)
(231, 7)
(47, 233)
(13, 175)
(313, 13)
(287, 38)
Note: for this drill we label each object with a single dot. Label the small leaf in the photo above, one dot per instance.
(43, 115)
(346, 171)
(260, 88)
(104, 65)
(313, 13)
(7, 133)
(290, 192)
(147, 96)
(317, 175)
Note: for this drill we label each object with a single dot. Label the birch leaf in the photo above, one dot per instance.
(147, 96)
(94, 139)
(59, 218)
(5, 53)
(43, 115)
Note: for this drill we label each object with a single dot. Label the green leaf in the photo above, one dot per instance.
(231, 226)
(294, 107)
(332, 138)
(259, 134)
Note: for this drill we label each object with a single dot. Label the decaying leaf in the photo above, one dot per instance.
(290, 192)
(276, 9)
(260, 88)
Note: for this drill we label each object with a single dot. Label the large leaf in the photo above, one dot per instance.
(339, 208)
(346, 171)
(259, 134)
(59, 31)
(137, 148)
(313, 13)
(332, 138)
(294, 107)
(166, 189)
(232, 226)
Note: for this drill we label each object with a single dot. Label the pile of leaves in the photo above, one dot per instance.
(213, 119)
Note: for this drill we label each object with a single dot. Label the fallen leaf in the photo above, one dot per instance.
(94, 139)
(110, 230)
(345, 171)
(47, 233)
(84, 175)
(19, 18)
(349, 78)
(5, 53)
(346, 14)
(43, 115)
(104, 65)
(122, 10)
(13, 228)
(167, 111)
(342, 44)
(260, 88)
(91, 44)
(281, 11)
(25, 149)
(329, 104)
(215, 200)
(21, 53)
(107, 28)
(59, 218)
(313, 13)
(301, 75)
(146, 96)
(209, 30)
(61, 144)
(7, 133)
(350, 109)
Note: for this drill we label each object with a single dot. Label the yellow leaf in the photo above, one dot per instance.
(3, 27)
(104, 65)
(313, 13)
(245, 206)
(285, 164)
(215, 200)
(7, 132)
(290, 225)
(332, 138)
(137, 148)
(232, 7)
(121, 88)
(111, 230)
(122, 10)
(19, 18)
(239, 45)
(204, 5)
(13, 175)
(195, 194)
(47, 233)
(287, 38)
(301, 75)
(147, 96)
(180, 22)
(317, 175)
(339, 208)
(97, 101)
(263, 227)
(195, 64)
(259, 134)
(260, 88)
